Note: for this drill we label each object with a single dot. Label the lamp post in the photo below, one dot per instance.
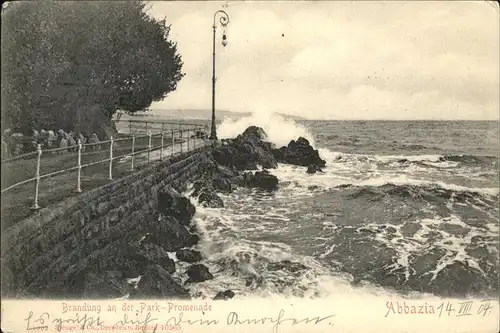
(224, 20)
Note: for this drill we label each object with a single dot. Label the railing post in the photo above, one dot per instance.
(79, 177)
(173, 144)
(149, 146)
(181, 141)
(111, 159)
(161, 150)
(133, 150)
(188, 134)
(130, 126)
(147, 126)
(37, 175)
(195, 137)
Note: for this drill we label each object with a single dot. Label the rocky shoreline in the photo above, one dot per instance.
(141, 265)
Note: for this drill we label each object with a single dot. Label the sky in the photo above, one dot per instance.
(339, 59)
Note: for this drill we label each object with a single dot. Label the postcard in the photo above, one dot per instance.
(250, 166)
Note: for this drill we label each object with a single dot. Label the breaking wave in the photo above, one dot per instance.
(370, 224)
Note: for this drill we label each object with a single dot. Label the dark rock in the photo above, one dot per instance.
(264, 180)
(188, 255)
(246, 151)
(286, 265)
(193, 229)
(168, 233)
(157, 283)
(198, 273)
(155, 254)
(224, 295)
(254, 281)
(205, 193)
(171, 203)
(193, 240)
(208, 198)
(299, 152)
(222, 184)
(254, 133)
(126, 259)
(313, 168)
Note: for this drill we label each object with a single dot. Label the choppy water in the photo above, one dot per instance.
(402, 207)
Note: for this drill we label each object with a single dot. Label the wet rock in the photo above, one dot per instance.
(246, 151)
(222, 184)
(205, 193)
(299, 152)
(193, 229)
(158, 283)
(193, 240)
(198, 273)
(224, 295)
(313, 168)
(208, 198)
(254, 281)
(171, 203)
(286, 265)
(188, 255)
(168, 233)
(371, 231)
(261, 179)
(155, 254)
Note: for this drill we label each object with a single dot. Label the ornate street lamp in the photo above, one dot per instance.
(224, 20)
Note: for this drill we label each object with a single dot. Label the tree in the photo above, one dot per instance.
(72, 64)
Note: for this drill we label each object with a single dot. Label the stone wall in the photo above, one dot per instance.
(44, 247)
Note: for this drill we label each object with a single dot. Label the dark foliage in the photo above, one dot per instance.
(72, 64)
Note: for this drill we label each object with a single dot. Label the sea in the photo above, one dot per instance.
(406, 208)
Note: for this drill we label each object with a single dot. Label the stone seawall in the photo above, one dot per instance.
(41, 252)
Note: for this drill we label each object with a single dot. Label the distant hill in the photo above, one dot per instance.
(196, 114)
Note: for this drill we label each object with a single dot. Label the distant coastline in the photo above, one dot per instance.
(206, 114)
(201, 114)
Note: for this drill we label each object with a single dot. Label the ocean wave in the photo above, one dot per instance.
(279, 130)
(334, 157)
(470, 159)
(459, 194)
(415, 183)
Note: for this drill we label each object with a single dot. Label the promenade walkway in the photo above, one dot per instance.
(17, 203)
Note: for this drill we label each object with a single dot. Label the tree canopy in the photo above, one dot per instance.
(72, 64)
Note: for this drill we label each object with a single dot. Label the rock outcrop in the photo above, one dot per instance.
(246, 151)
(188, 255)
(299, 152)
(224, 295)
(198, 273)
(261, 179)
(171, 203)
(158, 283)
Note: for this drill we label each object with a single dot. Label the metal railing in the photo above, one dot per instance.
(184, 139)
